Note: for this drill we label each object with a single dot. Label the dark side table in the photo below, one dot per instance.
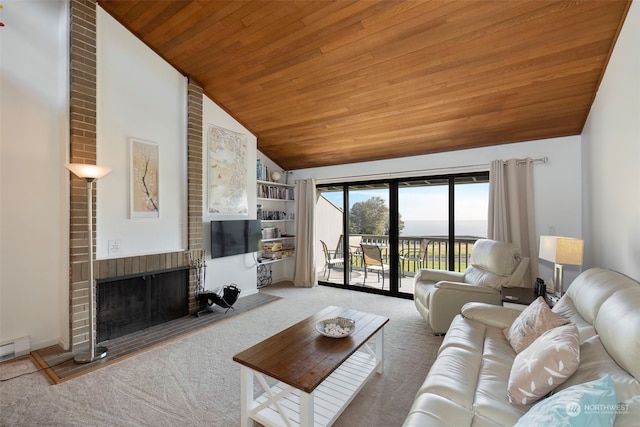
(517, 298)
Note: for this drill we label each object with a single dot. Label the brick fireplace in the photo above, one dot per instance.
(128, 304)
(83, 147)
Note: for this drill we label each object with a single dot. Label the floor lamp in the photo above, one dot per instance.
(560, 251)
(90, 173)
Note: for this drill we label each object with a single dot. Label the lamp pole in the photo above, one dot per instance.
(90, 173)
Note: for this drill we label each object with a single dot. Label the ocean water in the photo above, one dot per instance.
(476, 228)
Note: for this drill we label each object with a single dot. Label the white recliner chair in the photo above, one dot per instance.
(439, 294)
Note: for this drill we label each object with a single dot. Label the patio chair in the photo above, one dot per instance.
(419, 258)
(355, 251)
(339, 252)
(372, 260)
(330, 259)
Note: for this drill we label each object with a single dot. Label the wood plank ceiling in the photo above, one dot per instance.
(334, 82)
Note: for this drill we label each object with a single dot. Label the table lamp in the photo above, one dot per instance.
(561, 251)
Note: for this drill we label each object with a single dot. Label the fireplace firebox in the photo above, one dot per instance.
(131, 303)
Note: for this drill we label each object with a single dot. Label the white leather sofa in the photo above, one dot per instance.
(439, 294)
(467, 384)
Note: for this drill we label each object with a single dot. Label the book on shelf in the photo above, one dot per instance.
(272, 192)
(273, 215)
(262, 171)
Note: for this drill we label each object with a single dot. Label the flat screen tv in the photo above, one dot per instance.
(235, 237)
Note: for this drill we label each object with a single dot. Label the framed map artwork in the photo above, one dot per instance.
(226, 172)
(144, 179)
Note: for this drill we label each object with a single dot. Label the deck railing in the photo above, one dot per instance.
(435, 256)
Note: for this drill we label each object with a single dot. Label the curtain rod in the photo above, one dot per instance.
(544, 159)
(417, 172)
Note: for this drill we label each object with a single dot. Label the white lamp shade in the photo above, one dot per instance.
(82, 170)
(561, 250)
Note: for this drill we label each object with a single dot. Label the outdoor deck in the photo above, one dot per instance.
(357, 279)
(416, 252)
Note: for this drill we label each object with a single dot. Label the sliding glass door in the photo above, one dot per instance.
(423, 229)
(353, 245)
(370, 245)
(471, 213)
(391, 229)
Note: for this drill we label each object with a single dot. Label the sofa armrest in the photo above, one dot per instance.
(489, 314)
(433, 276)
(465, 287)
(447, 298)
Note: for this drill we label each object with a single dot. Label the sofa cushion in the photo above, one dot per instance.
(467, 382)
(592, 288)
(490, 314)
(572, 407)
(478, 276)
(567, 309)
(618, 326)
(531, 323)
(596, 363)
(545, 364)
(628, 412)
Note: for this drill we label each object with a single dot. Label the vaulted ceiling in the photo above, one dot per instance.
(334, 82)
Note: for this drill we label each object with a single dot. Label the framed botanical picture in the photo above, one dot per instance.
(144, 201)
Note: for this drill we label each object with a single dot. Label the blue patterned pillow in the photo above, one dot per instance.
(582, 405)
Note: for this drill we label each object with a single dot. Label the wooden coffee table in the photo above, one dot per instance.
(315, 377)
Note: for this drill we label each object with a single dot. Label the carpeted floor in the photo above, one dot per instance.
(61, 366)
(193, 381)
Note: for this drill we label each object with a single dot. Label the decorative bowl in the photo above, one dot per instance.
(338, 327)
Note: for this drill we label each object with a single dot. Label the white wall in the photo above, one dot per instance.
(611, 159)
(328, 229)
(139, 96)
(238, 269)
(34, 230)
(557, 184)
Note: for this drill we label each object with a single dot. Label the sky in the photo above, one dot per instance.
(428, 203)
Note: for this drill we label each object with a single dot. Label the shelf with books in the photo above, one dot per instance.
(275, 192)
(275, 184)
(275, 209)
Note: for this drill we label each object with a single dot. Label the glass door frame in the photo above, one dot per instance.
(393, 185)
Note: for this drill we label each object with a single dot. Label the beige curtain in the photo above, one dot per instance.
(305, 273)
(511, 209)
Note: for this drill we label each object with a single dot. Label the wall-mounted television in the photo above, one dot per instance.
(235, 237)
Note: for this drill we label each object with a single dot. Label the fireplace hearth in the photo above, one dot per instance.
(131, 303)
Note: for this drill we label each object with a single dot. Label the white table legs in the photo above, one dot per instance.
(246, 394)
(379, 337)
(280, 404)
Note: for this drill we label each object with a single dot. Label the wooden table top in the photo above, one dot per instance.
(301, 357)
